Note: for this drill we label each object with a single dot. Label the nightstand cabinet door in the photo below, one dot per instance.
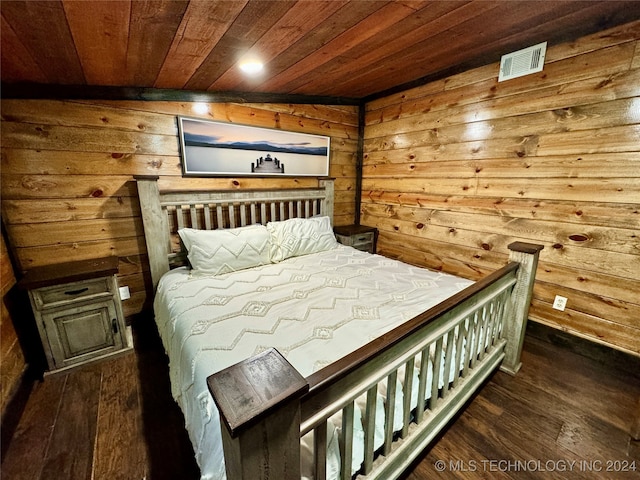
(79, 333)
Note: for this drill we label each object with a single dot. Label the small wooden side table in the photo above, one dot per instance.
(78, 311)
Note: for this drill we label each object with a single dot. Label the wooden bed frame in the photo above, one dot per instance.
(266, 406)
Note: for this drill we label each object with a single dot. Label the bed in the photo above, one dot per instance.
(292, 356)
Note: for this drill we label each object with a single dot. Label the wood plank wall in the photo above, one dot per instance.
(12, 361)
(457, 169)
(67, 167)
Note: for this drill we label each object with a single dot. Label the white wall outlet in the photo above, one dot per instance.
(560, 303)
(124, 293)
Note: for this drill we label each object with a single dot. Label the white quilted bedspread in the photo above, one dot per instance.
(314, 309)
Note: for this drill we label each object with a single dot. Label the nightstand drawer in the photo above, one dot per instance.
(356, 240)
(363, 239)
(62, 295)
(357, 236)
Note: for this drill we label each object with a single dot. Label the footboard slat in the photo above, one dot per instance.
(447, 362)
(435, 385)
(320, 451)
(390, 410)
(407, 388)
(475, 339)
(422, 383)
(370, 428)
(346, 450)
(462, 333)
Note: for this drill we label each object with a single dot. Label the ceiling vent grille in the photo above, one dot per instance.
(523, 62)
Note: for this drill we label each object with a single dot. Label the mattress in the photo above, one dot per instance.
(313, 308)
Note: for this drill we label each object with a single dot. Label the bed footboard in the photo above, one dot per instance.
(386, 401)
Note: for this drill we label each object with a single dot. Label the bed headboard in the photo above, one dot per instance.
(163, 213)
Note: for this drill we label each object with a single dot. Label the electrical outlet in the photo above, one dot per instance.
(560, 303)
(124, 293)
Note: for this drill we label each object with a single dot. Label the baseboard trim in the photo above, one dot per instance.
(581, 346)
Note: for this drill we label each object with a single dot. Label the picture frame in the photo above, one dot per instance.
(211, 148)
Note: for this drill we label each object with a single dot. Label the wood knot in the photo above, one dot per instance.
(420, 226)
(579, 237)
(486, 246)
(557, 246)
(117, 155)
(604, 83)
(97, 193)
(236, 183)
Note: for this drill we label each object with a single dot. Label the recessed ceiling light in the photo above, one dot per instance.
(251, 67)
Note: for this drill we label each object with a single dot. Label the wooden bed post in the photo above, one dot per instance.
(155, 226)
(259, 404)
(526, 254)
(327, 184)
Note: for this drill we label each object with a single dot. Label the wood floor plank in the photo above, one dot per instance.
(24, 457)
(70, 453)
(583, 384)
(120, 452)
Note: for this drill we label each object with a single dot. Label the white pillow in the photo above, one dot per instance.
(300, 236)
(227, 250)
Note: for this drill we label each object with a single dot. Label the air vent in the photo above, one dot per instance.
(523, 62)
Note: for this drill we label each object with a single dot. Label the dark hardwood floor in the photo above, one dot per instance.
(564, 416)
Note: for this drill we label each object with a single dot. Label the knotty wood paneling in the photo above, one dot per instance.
(457, 169)
(12, 361)
(67, 168)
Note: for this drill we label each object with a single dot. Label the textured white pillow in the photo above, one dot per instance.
(300, 236)
(227, 250)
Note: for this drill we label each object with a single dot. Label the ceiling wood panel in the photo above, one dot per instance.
(42, 28)
(301, 18)
(349, 49)
(388, 52)
(13, 48)
(451, 42)
(358, 39)
(100, 35)
(340, 32)
(256, 20)
(152, 27)
(202, 26)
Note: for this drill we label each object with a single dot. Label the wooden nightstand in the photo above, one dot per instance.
(78, 311)
(357, 236)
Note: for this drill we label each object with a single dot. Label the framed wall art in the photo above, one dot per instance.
(211, 148)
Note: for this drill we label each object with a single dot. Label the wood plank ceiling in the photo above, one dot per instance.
(335, 48)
